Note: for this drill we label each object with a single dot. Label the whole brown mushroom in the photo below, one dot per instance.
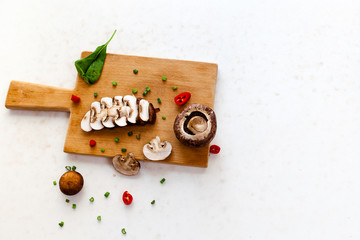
(195, 126)
(71, 183)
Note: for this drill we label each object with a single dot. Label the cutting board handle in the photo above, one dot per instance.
(30, 96)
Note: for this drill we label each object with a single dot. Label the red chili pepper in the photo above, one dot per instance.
(75, 99)
(182, 98)
(92, 143)
(215, 149)
(127, 198)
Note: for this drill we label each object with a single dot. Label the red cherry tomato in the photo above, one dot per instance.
(92, 143)
(75, 99)
(182, 98)
(127, 198)
(214, 149)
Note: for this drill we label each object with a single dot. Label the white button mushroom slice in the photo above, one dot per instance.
(157, 150)
(131, 102)
(97, 113)
(118, 100)
(123, 115)
(144, 110)
(85, 122)
(108, 120)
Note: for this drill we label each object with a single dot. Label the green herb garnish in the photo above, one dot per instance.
(144, 93)
(134, 91)
(91, 199)
(54, 182)
(61, 224)
(73, 168)
(67, 200)
(90, 67)
(162, 180)
(130, 133)
(99, 218)
(164, 78)
(68, 168)
(163, 117)
(123, 149)
(74, 206)
(174, 88)
(106, 194)
(153, 202)
(138, 136)
(147, 89)
(114, 83)
(95, 94)
(135, 71)
(116, 139)
(123, 231)
(103, 150)
(159, 101)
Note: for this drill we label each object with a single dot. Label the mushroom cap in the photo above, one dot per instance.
(157, 150)
(128, 165)
(195, 126)
(71, 183)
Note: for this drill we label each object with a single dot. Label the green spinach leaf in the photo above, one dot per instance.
(90, 67)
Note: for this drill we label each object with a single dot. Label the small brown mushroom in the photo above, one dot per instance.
(71, 183)
(195, 126)
(128, 165)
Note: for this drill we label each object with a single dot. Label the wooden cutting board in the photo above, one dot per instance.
(195, 77)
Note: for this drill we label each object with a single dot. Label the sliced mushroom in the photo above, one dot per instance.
(85, 122)
(108, 120)
(97, 113)
(195, 126)
(144, 110)
(128, 165)
(157, 150)
(131, 102)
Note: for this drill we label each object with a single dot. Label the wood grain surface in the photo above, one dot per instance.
(196, 77)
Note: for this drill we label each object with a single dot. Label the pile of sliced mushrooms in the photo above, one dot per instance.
(118, 111)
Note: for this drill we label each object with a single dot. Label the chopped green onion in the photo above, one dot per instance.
(147, 89)
(123, 149)
(67, 200)
(148, 142)
(95, 94)
(123, 231)
(159, 101)
(153, 202)
(61, 224)
(164, 78)
(162, 180)
(144, 93)
(54, 182)
(163, 117)
(99, 218)
(135, 71)
(74, 206)
(138, 136)
(106, 194)
(114, 83)
(116, 139)
(130, 133)
(91, 199)
(73, 168)
(134, 90)
(103, 150)
(68, 168)
(174, 88)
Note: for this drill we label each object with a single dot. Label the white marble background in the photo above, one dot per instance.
(288, 107)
